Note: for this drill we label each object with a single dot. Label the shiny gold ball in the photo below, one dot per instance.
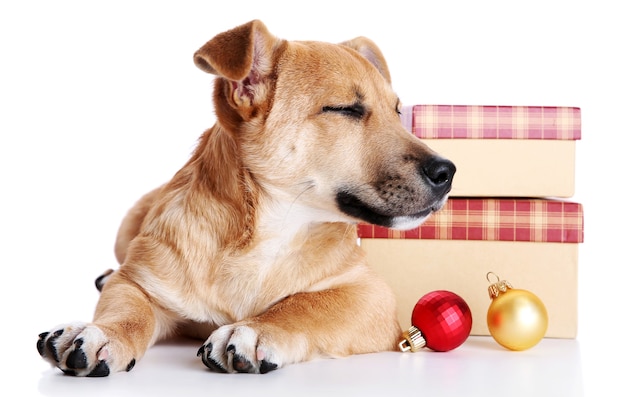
(517, 319)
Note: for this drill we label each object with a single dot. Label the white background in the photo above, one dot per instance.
(100, 102)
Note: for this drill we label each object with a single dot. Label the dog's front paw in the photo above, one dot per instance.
(239, 348)
(78, 349)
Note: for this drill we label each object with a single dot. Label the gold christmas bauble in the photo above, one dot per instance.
(517, 319)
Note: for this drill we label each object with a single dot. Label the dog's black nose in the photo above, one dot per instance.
(439, 173)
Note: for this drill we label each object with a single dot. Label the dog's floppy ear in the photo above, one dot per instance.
(371, 52)
(243, 55)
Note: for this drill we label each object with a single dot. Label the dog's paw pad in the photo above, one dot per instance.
(242, 364)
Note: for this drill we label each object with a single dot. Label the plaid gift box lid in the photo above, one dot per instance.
(492, 122)
(495, 219)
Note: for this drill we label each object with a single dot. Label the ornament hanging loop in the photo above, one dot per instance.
(498, 287)
(493, 274)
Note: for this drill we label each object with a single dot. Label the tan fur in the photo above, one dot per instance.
(248, 239)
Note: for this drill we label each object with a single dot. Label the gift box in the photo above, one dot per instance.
(502, 151)
(532, 243)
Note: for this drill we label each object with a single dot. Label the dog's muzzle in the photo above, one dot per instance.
(398, 204)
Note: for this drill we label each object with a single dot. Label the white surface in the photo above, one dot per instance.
(478, 368)
(100, 102)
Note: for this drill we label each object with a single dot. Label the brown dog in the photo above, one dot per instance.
(253, 243)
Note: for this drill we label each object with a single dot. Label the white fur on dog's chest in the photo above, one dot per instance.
(257, 279)
(279, 226)
(282, 235)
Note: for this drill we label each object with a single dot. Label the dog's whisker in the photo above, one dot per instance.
(347, 235)
(309, 185)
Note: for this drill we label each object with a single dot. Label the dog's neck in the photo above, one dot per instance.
(255, 211)
(289, 217)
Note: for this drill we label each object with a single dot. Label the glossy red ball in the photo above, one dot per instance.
(444, 319)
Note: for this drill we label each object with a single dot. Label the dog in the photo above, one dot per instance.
(252, 244)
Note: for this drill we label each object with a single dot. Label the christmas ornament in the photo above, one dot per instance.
(516, 318)
(441, 320)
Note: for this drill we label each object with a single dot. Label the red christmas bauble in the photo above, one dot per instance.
(444, 319)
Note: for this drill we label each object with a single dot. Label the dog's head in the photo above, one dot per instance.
(318, 124)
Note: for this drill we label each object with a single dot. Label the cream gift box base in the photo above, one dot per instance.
(414, 267)
(509, 167)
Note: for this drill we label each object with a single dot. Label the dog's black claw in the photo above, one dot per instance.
(267, 366)
(50, 344)
(241, 364)
(102, 369)
(213, 365)
(69, 372)
(41, 343)
(130, 365)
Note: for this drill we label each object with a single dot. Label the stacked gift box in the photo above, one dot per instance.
(509, 212)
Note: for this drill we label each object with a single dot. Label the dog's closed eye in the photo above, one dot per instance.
(356, 111)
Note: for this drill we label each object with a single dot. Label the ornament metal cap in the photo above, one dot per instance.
(413, 340)
(498, 287)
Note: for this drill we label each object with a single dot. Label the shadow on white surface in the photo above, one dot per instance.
(478, 368)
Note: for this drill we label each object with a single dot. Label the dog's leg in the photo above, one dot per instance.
(330, 323)
(123, 328)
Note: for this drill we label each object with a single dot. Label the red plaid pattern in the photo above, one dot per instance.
(492, 122)
(537, 220)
